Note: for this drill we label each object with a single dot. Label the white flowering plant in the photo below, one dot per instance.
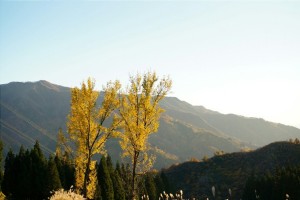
(66, 195)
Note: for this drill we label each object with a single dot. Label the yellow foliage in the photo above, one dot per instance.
(138, 116)
(139, 112)
(86, 130)
(91, 186)
(2, 196)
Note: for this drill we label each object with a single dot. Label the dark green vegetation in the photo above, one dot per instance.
(284, 183)
(1, 171)
(29, 175)
(36, 111)
(270, 170)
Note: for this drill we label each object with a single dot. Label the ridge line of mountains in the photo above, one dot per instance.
(235, 170)
(36, 110)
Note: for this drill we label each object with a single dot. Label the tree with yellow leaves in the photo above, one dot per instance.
(87, 131)
(139, 112)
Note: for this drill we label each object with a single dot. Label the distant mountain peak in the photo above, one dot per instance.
(49, 85)
(44, 82)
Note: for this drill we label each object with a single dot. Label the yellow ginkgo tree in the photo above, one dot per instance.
(87, 131)
(139, 112)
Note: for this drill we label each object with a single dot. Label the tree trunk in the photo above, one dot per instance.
(86, 177)
(133, 183)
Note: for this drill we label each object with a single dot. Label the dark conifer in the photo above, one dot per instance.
(1, 170)
(126, 177)
(109, 164)
(9, 174)
(69, 169)
(118, 168)
(23, 175)
(159, 185)
(119, 193)
(66, 171)
(104, 180)
(166, 182)
(150, 186)
(284, 183)
(52, 176)
(60, 168)
(39, 172)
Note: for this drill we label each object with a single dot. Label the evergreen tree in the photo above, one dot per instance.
(288, 182)
(105, 182)
(53, 176)
(150, 186)
(9, 174)
(274, 186)
(60, 168)
(110, 166)
(23, 175)
(160, 187)
(250, 190)
(66, 170)
(28, 175)
(118, 168)
(167, 185)
(125, 175)
(69, 170)
(39, 172)
(1, 171)
(119, 193)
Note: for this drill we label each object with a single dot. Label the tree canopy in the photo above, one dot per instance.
(139, 112)
(87, 131)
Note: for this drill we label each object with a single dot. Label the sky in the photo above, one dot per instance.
(240, 57)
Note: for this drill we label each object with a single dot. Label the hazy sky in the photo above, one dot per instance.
(239, 57)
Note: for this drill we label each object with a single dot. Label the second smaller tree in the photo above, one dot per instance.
(140, 111)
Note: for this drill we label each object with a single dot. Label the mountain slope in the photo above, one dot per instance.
(32, 111)
(255, 131)
(35, 111)
(231, 170)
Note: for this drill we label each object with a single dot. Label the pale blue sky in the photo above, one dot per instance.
(239, 57)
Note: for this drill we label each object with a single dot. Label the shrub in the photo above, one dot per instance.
(66, 195)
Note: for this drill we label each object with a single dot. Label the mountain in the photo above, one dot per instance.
(231, 171)
(36, 110)
(32, 111)
(255, 131)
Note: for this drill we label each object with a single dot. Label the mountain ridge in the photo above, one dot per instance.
(37, 110)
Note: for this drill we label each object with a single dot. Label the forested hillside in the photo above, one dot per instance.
(231, 171)
(271, 172)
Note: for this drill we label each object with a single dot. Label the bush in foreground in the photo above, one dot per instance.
(66, 195)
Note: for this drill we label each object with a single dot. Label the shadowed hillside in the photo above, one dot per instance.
(231, 170)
